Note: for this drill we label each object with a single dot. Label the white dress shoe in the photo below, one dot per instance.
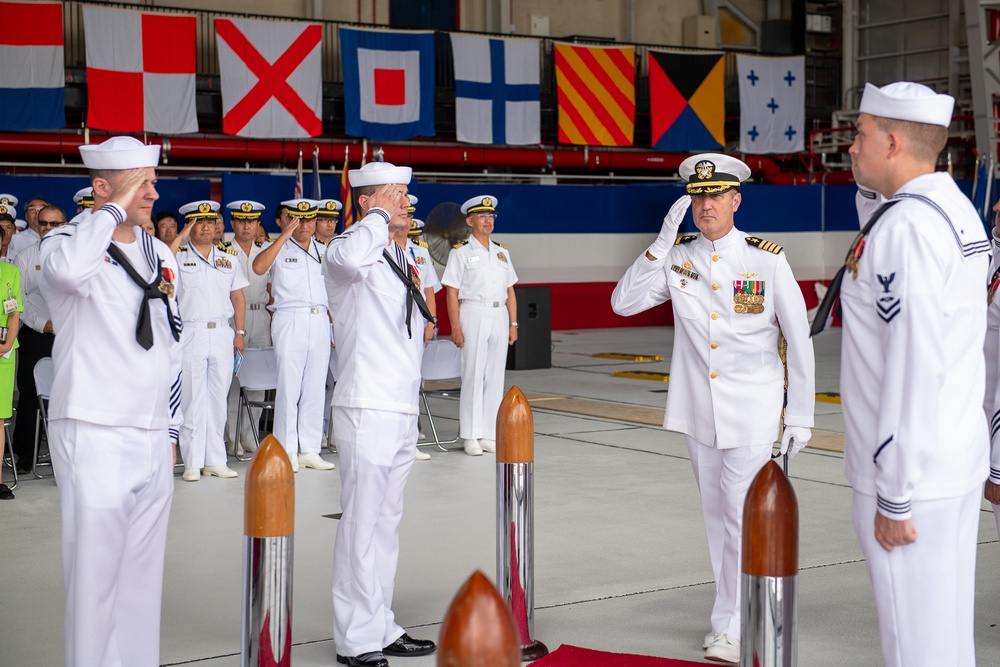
(724, 649)
(709, 638)
(219, 471)
(488, 445)
(472, 448)
(314, 461)
(191, 475)
(295, 463)
(422, 456)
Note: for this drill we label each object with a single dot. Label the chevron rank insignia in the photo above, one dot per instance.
(764, 244)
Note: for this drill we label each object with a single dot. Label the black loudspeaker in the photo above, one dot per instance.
(533, 348)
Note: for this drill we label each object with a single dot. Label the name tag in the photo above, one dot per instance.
(474, 258)
(291, 260)
(9, 306)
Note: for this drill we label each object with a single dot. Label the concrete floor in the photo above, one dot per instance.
(621, 562)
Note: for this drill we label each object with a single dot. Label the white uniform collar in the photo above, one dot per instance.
(731, 239)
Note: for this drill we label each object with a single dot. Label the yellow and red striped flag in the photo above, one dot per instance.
(596, 90)
(347, 213)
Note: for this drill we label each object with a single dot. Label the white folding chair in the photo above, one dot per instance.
(44, 373)
(258, 372)
(442, 361)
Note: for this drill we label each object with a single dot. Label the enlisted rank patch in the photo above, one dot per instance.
(748, 296)
(685, 271)
(763, 244)
(502, 257)
(223, 263)
(687, 238)
(887, 303)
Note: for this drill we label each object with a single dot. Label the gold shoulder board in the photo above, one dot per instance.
(423, 244)
(460, 244)
(687, 238)
(763, 244)
(500, 244)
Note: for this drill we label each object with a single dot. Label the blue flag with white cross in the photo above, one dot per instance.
(772, 104)
(497, 90)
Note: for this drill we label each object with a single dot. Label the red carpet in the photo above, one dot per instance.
(574, 656)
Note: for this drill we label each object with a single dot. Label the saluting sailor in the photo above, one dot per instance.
(300, 330)
(378, 313)
(914, 301)
(245, 216)
(729, 293)
(482, 308)
(115, 409)
(212, 295)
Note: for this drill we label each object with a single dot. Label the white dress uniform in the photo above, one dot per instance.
(300, 330)
(991, 404)
(481, 275)
(207, 309)
(258, 327)
(420, 257)
(912, 377)
(114, 412)
(374, 425)
(726, 376)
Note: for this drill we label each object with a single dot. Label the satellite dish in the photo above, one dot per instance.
(443, 228)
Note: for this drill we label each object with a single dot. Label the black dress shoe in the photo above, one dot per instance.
(407, 646)
(358, 661)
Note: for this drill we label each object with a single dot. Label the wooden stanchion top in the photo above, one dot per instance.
(515, 429)
(478, 628)
(270, 492)
(771, 525)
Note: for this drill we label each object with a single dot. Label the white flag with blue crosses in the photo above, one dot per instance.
(497, 90)
(772, 104)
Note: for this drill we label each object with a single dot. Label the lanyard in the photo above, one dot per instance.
(318, 259)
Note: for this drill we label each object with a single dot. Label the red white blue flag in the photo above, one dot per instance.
(31, 66)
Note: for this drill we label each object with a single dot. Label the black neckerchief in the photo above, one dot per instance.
(150, 290)
(413, 295)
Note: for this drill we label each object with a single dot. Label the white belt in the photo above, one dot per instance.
(312, 310)
(489, 304)
(206, 325)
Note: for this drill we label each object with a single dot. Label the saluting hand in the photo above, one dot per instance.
(125, 190)
(668, 231)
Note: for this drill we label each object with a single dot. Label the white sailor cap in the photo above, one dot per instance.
(413, 203)
(84, 197)
(416, 227)
(905, 100)
(8, 211)
(120, 153)
(303, 209)
(199, 210)
(21, 224)
(480, 204)
(9, 200)
(712, 173)
(328, 208)
(379, 173)
(245, 209)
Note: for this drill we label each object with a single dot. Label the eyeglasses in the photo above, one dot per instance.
(51, 223)
(34, 209)
(486, 215)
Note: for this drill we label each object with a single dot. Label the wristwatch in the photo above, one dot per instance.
(241, 332)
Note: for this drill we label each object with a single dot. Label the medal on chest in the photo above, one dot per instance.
(994, 284)
(748, 296)
(854, 256)
(166, 285)
(685, 269)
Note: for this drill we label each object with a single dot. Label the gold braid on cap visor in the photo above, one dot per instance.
(711, 188)
(240, 215)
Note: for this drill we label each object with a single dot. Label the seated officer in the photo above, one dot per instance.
(210, 295)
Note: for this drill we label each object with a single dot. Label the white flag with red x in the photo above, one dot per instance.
(271, 75)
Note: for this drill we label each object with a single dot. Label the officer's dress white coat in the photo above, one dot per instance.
(113, 416)
(481, 275)
(726, 376)
(374, 425)
(915, 436)
(301, 334)
(207, 308)
(257, 324)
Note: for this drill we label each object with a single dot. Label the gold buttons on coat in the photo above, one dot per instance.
(714, 375)
(715, 316)
(715, 258)
(715, 286)
(715, 346)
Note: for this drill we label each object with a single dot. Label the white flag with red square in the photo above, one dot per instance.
(140, 71)
(271, 73)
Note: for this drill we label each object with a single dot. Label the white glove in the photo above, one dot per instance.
(794, 439)
(668, 233)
